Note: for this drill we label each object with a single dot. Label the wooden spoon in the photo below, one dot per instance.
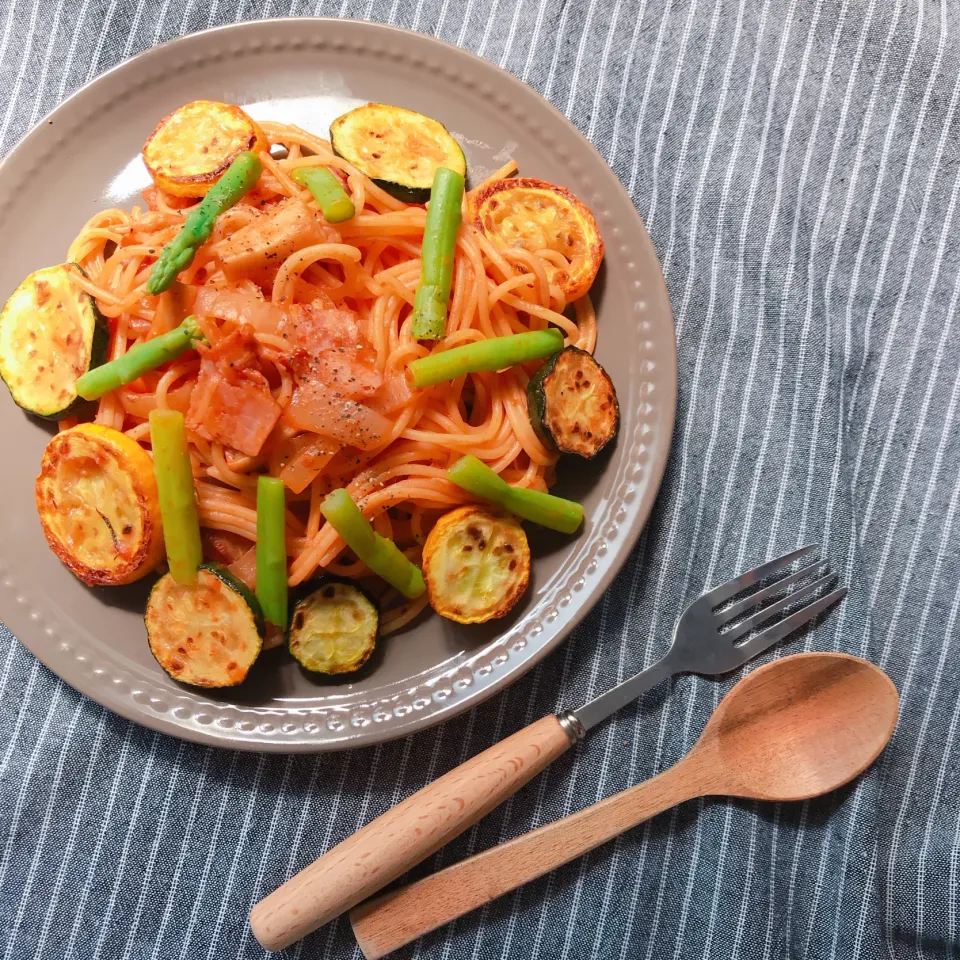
(797, 728)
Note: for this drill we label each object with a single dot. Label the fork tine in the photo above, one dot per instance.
(767, 613)
(742, 606)
(756, 645)
(731, 588)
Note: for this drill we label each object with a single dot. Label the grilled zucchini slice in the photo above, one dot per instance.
(536, 215)
(50, 334)
(206, 634)
(573, 404)
(476, 564)
(98, 505)
(398, 149)
(334, 627)
(195, 144)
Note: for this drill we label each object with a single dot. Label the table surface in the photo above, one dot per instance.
(797, 167)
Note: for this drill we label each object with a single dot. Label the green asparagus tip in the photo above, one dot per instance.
(192, 327)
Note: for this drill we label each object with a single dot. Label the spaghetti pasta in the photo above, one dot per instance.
(366, 268)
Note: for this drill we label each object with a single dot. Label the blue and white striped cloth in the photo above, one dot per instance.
(797, 165)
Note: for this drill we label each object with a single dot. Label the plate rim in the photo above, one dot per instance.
(233, 738)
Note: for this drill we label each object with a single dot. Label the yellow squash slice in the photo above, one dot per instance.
(537, 215)
(476, 564)
(97, 500)
(196, 143)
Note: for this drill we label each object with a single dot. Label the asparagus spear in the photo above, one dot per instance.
(178, 254)
(138, 360)
(272, 550)
(327, 190)
(178, 505)
(477, 478)
(494, 353)
(381, 555)
(439, 246)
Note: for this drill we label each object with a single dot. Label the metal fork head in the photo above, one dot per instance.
(713, 635)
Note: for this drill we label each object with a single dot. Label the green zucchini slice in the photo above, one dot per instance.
(50, 333)
(206, 634)
(396, 148)
(573, 404)
(334, 627)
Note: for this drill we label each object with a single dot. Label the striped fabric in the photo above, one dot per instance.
(797, 166)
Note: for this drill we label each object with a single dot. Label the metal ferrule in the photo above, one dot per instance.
(572, 727)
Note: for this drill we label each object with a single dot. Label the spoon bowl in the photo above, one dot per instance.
(799, 727)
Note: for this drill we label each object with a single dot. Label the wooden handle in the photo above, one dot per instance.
(402, 837)
(396, 918)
